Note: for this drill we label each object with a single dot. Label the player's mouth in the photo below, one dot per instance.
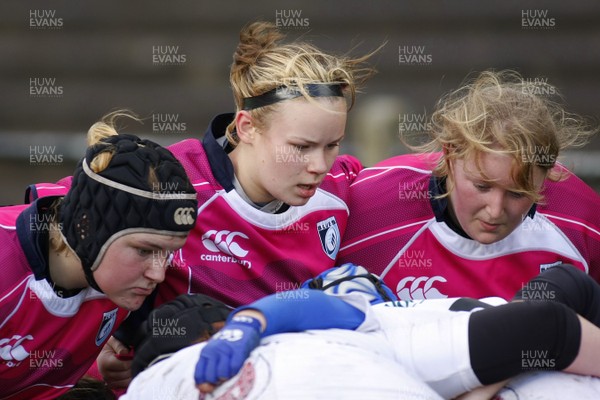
(489, 227)
(307, 191)
(142, 291)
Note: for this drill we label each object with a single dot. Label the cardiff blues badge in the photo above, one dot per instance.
(329, 234)
(108, 322)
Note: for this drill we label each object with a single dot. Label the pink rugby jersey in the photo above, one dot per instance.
(399, 231)
(237, 253)
(47, 342)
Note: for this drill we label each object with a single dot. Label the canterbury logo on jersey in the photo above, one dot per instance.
(224, 241)
(411, 288)
(12, 350)
(184, 216)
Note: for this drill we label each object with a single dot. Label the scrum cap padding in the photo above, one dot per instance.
(122, 199)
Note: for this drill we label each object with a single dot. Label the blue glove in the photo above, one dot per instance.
(225, 353)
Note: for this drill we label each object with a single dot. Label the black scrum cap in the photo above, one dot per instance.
(125, 198)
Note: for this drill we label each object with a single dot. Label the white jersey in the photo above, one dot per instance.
(289, 366)
(390, 356)
(403, 350)
(550, 385)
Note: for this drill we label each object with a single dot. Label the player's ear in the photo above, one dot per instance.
(244, 125)
(446, 151)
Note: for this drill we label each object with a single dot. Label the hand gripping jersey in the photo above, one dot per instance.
(237, 253)
(47, 342)
(398, 230)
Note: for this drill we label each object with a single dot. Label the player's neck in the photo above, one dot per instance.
(244, 169)
(66, 270)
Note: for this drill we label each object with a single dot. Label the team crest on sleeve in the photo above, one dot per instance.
(108, 322)
(329, 233)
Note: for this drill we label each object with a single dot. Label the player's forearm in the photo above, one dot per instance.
(307, 309)
(225, 353)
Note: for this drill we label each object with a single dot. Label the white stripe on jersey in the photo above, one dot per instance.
(406, 246)
(201, 183)
(387, 169)
(61, 188)
(383, 233)
(24, 281)
(342, 174)
(589, 228)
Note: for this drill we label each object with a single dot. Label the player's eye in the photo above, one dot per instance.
(516, 195)
(144, 252)
(482, 187)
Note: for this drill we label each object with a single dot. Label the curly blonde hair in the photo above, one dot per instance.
(502, 113)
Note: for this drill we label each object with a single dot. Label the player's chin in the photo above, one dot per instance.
(489, 237)
(297, 201)
(130, 302)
